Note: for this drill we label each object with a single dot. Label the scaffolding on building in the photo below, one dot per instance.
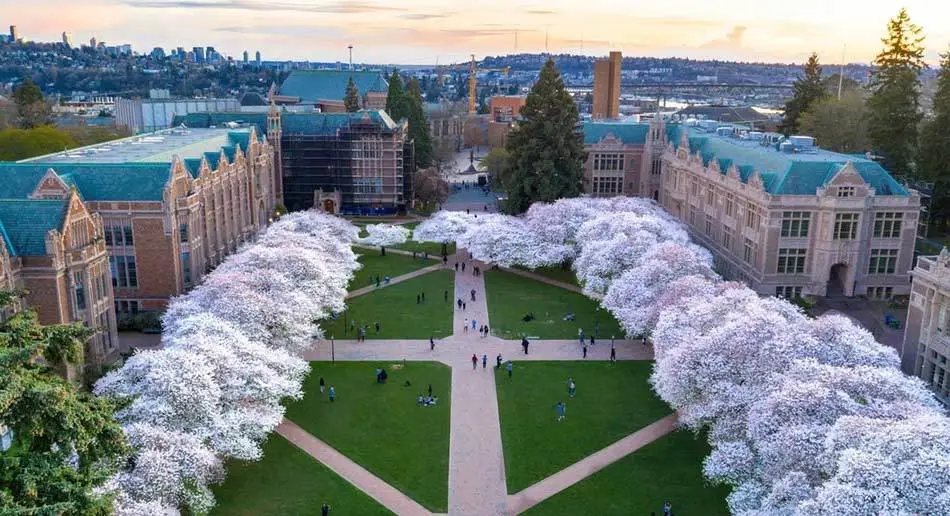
(369, 165)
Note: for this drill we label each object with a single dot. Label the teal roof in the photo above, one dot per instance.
(241, 139)
(213, 159)
(630, 134)
(313, 85)
(800, 173)
(94, 181)
(193, 165)
(25, 222)
(330, 123)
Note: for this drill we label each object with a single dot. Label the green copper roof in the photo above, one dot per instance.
(630, 134)
(94, 181)
(800, 173)
(313, 85)
(25, 222)
(330, 123)
(193, 165)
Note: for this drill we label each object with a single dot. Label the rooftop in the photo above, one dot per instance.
(26, 235)
(628, 133)
(157, 147)
(783, 173)
(313, 85)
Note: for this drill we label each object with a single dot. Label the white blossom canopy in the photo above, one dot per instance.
(385, 235)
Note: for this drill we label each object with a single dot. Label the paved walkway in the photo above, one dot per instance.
(393, 250)
(537, 493)
(392, 281)
(476, 461)
(376, 488)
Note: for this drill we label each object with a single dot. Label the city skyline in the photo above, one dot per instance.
(426, 31)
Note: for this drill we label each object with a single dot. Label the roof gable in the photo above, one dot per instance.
(629, 134)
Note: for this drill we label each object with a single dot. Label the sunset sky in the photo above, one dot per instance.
(422, 31)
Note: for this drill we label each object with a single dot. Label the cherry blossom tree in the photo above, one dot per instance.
(385, 235)
(230, 356)
(443, 227)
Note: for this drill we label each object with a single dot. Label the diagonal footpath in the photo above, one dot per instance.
(554, 484)
(550, 281)
(476, 462)
(376, 488)
(392, 281)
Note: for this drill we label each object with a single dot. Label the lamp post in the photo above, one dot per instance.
(332, 351)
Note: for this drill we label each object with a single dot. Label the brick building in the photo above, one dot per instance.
(622, 159)
(352, 163)
(926, 346)
(788, 218)
(54, 249)
(172, 204)
(607, 86)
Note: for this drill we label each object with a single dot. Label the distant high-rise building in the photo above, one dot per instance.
(93, 42)
(607, 86)
(158, 53)
(257, 58)
(210, 55)
(14, 35)
(180, 53)
(245, 57)
(199, 54)
(67, 40)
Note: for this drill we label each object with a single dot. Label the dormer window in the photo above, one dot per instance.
(846, 191)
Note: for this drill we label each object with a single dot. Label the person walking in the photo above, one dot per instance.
(580, 336)
(571, 387)
(456, 266)
(431, 343)
(524, 344)
(484, 362)
(561, 409)
(486, 330)
(474, 361)
(325, 510)
(473, 324)
(498, 361)
(613, 354)
(459, 303)
(465, 325)
(332, 394)
(591, 337)
(510, 367)
(463, 305)
(585, 350)
(423, 297)
(418, 299)
(377, 326)
(463, 266)
(322, 384)
(473, 294)
(446, 294)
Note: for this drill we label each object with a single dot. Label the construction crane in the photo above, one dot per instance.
(473, 68)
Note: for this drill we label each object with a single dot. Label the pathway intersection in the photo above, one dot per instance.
(476, 460)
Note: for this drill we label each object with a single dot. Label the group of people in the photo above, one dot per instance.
(331, 393)
(428, 399)
(361, 330)
(560, 407)
(378, 282)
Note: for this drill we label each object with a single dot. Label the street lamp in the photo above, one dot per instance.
(332, 351)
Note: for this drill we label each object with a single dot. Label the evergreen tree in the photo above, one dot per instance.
(418, 124)
(352, 98)
(395, 98)
(546, 148)
(65, 441)
(935, 147)
(838, 125)
(894, 112)
(808, 90)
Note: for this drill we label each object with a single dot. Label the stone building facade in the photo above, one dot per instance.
(53, 249)
(926, 345)
(622, 159)
(172, 204)
(788, 218)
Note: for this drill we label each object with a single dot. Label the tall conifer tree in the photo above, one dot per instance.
(546, 149)
(352, 98)
(808, 90)
(935, 147)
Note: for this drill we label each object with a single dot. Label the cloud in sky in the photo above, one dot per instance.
(419, 31)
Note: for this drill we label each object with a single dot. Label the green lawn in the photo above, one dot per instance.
(380, 427)
(434, 248)
(511, 296)
(287, 481)
(668, 469)
(395, 308)
(558, 274)
(375, 264)
(612, 401)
